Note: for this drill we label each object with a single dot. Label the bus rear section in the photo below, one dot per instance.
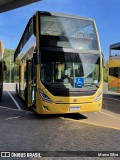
(114, 68)
(1, 66)
(61, 71)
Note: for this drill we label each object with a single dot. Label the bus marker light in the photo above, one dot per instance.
(45, 107)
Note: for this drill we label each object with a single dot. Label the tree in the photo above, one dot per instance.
(105, 73)
(6, 58)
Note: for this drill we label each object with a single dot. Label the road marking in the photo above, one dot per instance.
(13, 109)
(100, 125)
(19, 108)
(112, 99)
(109, 115)
(12, 118)
(95, 124)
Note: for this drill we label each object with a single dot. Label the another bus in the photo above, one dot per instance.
(1, 66)
(59, 64)
(114, 68)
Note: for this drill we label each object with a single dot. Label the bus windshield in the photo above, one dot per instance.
(70, 70)
(66, 32)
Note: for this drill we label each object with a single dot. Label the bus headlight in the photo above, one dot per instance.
(44, 96)
(99, 96)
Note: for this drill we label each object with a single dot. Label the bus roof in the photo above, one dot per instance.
(64, 15)
(115, 46)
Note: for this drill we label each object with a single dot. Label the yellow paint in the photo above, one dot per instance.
(86, 103)
(110, 115)
(90, 123)
(114, 62)
(1, 48)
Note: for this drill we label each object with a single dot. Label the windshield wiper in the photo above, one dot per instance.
(93, 84)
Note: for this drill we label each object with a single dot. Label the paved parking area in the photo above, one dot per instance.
(23, 130)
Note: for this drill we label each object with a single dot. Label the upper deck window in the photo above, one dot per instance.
(67, 32)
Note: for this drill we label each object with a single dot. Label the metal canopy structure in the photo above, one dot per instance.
(6, 5)
(114, 50)
(115, 46)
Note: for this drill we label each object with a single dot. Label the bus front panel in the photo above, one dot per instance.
(70, 65)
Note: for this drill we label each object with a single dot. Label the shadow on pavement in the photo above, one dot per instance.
(111, 102)
(75, 116)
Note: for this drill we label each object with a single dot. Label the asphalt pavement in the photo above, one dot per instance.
(23, 130)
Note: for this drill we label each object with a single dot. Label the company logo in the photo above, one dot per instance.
(75, 100)
(5, 154)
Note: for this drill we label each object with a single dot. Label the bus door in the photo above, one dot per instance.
(31, 83)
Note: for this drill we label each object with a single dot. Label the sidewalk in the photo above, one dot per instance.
(8, 86)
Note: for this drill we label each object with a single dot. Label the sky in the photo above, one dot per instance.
(105, 13)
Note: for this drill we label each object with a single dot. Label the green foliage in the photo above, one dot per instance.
(6, 58)
(105, 73)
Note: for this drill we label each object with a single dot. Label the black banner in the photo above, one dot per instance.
(37, 154)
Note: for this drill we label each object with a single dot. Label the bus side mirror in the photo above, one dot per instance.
(4, 66)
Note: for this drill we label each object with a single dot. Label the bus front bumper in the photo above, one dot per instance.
(43, 107)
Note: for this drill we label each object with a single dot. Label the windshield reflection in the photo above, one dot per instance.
(68, 32)
(70, 70)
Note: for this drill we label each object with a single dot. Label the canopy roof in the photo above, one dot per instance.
(6, 5)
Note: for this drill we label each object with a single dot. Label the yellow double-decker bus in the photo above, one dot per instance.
(59, 64)
(1, 66)
(114, 68)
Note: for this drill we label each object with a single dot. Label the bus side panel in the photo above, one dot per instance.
(26, 54)
(114, 75)
(113, 84)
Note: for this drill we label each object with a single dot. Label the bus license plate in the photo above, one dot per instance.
(76, 108)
